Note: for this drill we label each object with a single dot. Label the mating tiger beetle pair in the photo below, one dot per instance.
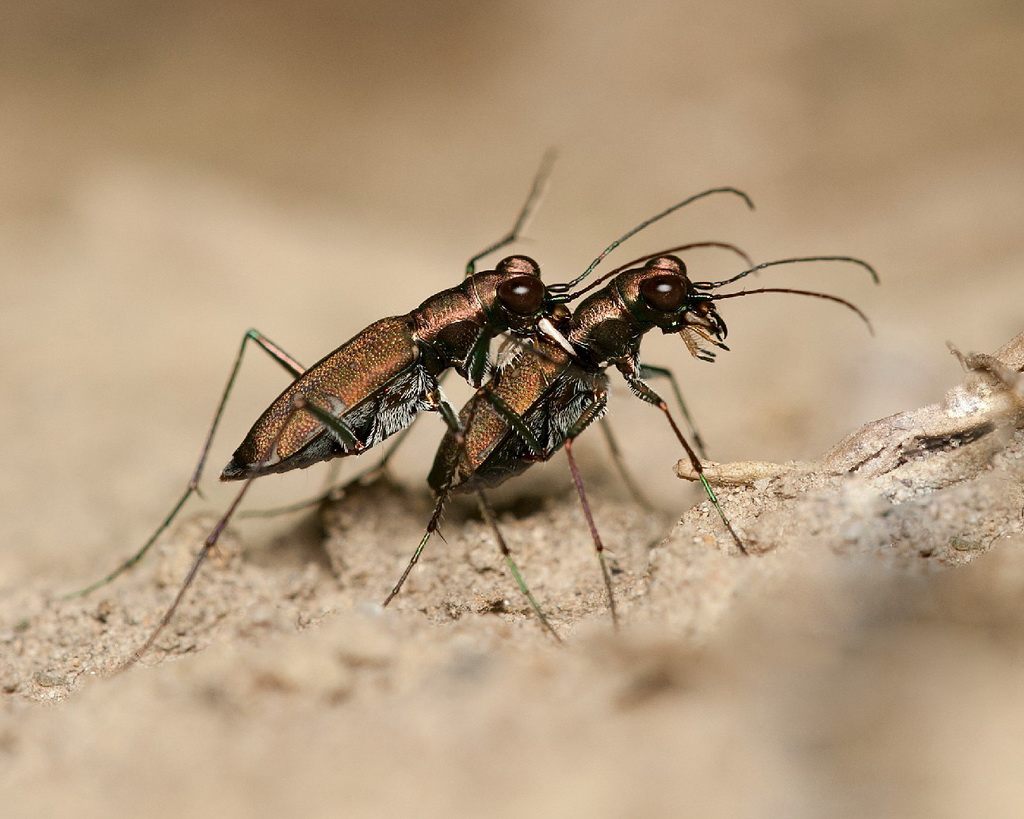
(551, 387)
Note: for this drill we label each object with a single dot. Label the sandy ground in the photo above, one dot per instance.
(172, 178)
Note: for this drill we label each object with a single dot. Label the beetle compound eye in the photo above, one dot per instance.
(664, 293)
(523, 295)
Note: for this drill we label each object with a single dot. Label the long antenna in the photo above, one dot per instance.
(536, 191)
(763, 265)
(647, 257)
(562, 288)
(814, 293)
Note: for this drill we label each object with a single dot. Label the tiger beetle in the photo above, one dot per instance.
(550, 351)
(548, 393)
(377, 383)
(374, 385)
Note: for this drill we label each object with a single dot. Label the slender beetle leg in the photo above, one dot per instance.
(299, 404)
(644, 391)
(456, 429)
(278, 355)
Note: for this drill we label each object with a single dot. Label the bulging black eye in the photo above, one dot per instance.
(523, 295)
(664, 293)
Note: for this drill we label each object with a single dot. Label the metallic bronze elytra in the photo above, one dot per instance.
(521, 416)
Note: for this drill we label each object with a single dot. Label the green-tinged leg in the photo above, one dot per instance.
(282, 358)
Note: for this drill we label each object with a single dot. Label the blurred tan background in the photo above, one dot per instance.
(174, 174)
